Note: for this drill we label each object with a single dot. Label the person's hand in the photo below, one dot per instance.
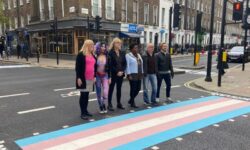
(94, 80)
(172, 75)
(79, 82)
(129, 77)
(120, 73)
(110, 81)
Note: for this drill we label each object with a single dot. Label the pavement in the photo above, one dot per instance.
(63, 64)
(235, 82)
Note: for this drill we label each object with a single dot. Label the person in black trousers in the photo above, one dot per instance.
(134, 72)
(117, 65)
(85, 75)
(165, 71)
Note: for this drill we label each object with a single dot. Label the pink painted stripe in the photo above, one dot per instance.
(108, 127)
(160, 128)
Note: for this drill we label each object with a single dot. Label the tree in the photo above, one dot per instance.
(3, 18)
(201, 36)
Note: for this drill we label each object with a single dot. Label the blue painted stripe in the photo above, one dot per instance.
(63, 132)
(182, 130)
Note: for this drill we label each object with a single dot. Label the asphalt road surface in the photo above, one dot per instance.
(36, 100)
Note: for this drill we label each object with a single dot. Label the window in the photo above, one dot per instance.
(96, 8)
(110, 9)
(163, 17)
(41, 5)
(51, 9)
(28, 19)
(124, 10)
(146, 13)
(22, 21)
(155, 15)
(8, 3)
(135, 11)
(16, 22)
(21, 2)
(10, 24)
(150, 37)
(27, 1)
(14, 3)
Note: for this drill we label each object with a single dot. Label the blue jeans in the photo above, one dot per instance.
(153, 81)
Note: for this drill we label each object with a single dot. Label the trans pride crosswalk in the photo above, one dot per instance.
(141, 129)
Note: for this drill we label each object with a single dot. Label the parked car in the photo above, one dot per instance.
(237, 53)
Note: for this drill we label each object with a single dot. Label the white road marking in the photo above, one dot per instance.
(74, 93)
(1, 146)
(4, 148)
(14, 95)
(92, 100)
(15, 66)
(37, 133)
(35, 110)
(125, 130)
(66, 126)
(155, 148)
(179, 139)
(190, 98)
(64, 89)
(91, 120)
(245, 116)
(2, 142)
(131, 111)
(149, 107)
(231, 120)
(216, 125)
(199, 131)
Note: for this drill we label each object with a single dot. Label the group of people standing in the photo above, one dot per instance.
(102, 67)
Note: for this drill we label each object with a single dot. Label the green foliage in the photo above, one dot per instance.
(3, 18)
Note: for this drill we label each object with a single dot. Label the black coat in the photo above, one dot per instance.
(113, 63)
(80, 69)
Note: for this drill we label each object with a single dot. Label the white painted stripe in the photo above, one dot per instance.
(94, 139)
(35, 110)
(231, 120)
(64, 89)
(179, 139)
(245, 116)
(37, 133)
(66, 126)
(216, 125)
(199, 131)
(2, 142)
(155, 148)
(14, 95)
(15, 66)
(1, 146)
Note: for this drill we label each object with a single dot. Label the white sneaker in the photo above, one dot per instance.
(169, 100)
(157, 100)
(101, 112)
(105, 111)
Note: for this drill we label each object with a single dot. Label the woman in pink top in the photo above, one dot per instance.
(85, 70)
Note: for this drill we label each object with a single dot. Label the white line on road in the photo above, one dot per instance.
(15, 66)
(231, 120)
(37, 133)
(216, 125)
(2, 142)
(199, 131)
(155, 148)
(64, 89)
(14, 95)
(179, 139)
(35, 110)
(66, 126)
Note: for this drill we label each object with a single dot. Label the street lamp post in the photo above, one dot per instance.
(170, 28)
(209, 56)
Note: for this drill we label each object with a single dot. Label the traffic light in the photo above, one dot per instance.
(246, 22)
(177, 15)
(198, 22)
(98, 23)
(53, 26)
(237, 11)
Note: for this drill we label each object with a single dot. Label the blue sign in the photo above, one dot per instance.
(132, 28)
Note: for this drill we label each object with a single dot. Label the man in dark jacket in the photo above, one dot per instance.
(164, 71)
(149, 67)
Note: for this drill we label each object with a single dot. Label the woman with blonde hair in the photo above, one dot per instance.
(85, 70)
(117, 66)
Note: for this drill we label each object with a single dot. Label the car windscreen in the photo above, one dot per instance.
(238, 49)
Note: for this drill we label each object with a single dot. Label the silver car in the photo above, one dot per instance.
(237, 53)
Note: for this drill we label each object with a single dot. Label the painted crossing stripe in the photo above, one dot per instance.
(63, 132)
(15, 66)
(145, 124)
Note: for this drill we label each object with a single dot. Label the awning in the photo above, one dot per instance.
(130, 35)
